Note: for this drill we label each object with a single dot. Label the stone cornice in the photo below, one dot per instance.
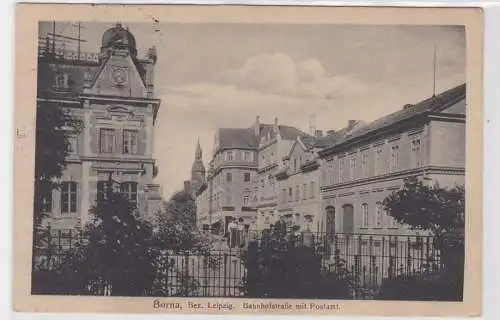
(119, 99)
(267, 168)
(396, 175)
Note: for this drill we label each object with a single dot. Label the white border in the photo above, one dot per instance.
(491, 220)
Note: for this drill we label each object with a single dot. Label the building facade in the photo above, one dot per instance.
(299, 199)
(425, 140)
(227, 191)
(111, 93)
(275, 144)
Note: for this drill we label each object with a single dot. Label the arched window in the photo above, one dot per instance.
(330, 219)
(378, 215)
(364, 215)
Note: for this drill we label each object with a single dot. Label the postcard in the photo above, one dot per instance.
(248, 160)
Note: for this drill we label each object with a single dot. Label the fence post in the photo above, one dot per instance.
(225, 274)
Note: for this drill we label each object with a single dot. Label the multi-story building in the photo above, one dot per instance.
(227, 191)
(241, 179)
(424, 140)
(299, 199)
(274, 145)
(111, 94)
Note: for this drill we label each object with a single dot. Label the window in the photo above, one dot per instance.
(290, 195)
(107, 140)
(364, 217)
(283, 195)
(72, 146)
(378, 215)
(102, 190)
(229, 156)
(246, 176)
(394, 158)
(304, 191)
(378, 161)
(312, 191)
(130, 141)
(68, 197)
(364, 165)
(341, 170)
(294, 164)
(129, 190)
(297, 192)
(300, 161)
(229, 177)
(247, 156)
(352, 167)
(61, 80)
(245, 201)
(416, 155)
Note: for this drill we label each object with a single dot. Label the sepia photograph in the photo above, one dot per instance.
(259, 161)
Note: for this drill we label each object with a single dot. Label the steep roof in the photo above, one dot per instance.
(237, 138)
(245, 137)
(435, 103)
(290, 133)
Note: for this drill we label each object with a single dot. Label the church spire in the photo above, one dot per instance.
(198, 154)
(198, 169)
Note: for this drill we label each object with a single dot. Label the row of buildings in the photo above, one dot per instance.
(334, 181)
(112, 94)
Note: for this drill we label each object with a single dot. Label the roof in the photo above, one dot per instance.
(237, 138)
(290, 133)
(435, 103)
(324, 141)
(47, 72)
(245, 137)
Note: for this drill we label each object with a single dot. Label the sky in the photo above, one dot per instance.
(224, 75)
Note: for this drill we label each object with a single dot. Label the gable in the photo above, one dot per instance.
(457, 108)
(296, 149)
(119, 77)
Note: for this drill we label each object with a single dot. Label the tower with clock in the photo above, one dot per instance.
(113, 97)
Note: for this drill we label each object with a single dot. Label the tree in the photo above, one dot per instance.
(51, 150)
(176, 225)
(117, 252)
(442, 212)
(180, 210)
(433, 208)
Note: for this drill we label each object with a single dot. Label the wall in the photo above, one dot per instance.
(447, 143)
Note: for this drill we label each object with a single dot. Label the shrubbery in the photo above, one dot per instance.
(289, 271)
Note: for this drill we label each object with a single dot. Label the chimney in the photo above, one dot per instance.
(276, 122)
(351, 123)
(330, 133)
(187, 186)
(318, 133)
(407, 106)
(256, 126)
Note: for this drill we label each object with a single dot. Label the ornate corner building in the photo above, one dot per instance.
(111, 94)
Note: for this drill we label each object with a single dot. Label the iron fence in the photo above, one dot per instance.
(221, 271)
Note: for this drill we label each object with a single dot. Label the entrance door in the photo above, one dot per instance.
(348, 219)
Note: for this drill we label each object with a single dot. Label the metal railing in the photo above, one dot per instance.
(221, 271)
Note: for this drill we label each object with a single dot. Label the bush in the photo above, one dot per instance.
(289, 271)
(423, 287)
(444, 285)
